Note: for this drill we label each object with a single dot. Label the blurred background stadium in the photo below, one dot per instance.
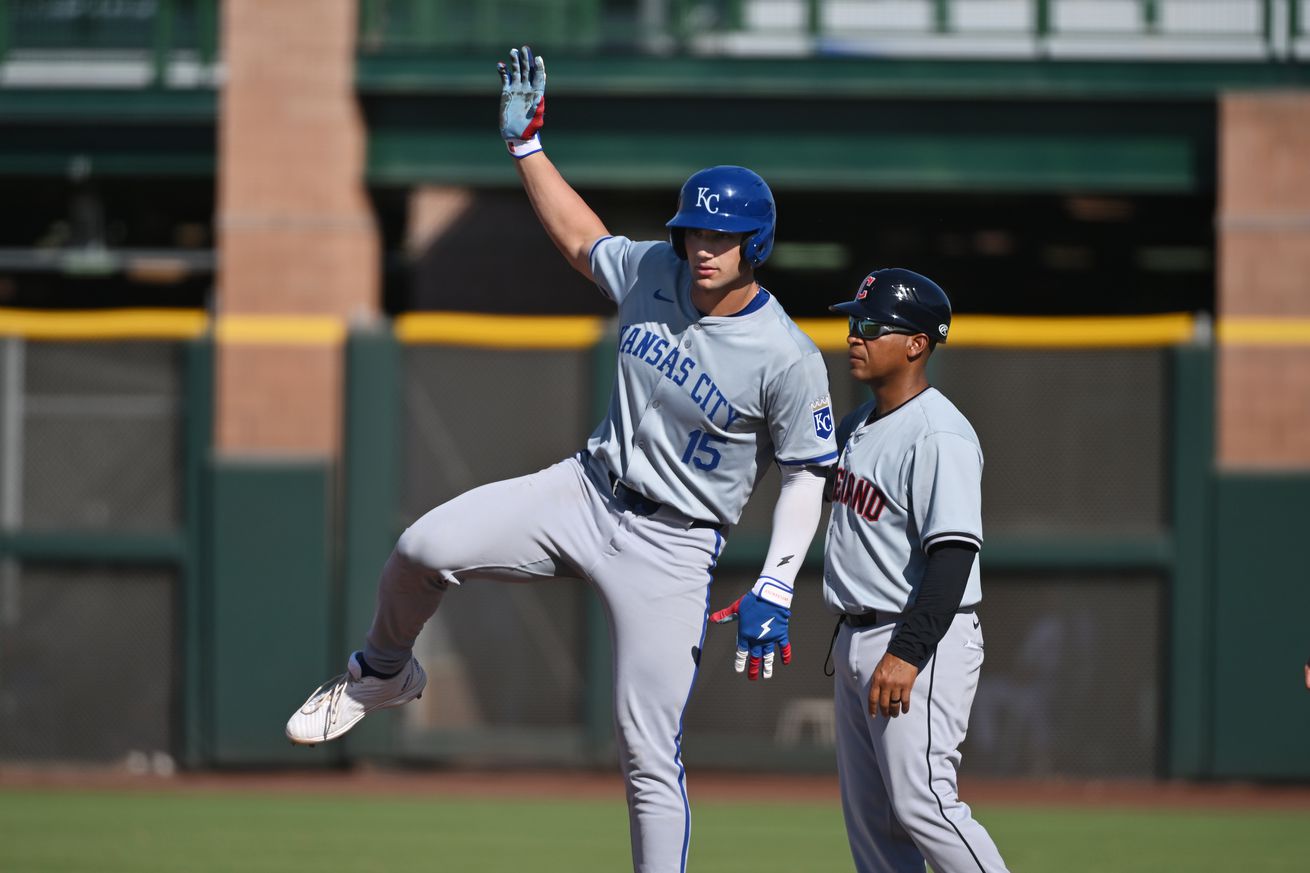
(269, 290)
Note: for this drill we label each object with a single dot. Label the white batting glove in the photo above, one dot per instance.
(522, 102)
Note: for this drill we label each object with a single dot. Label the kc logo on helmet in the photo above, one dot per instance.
(707, 200)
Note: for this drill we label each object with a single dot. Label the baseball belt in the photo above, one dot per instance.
(875, 616)
(639, 504)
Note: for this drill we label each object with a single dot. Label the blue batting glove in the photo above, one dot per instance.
(522, 101)
(761, 616)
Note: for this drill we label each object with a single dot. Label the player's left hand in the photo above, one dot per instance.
(522, 99)
(889, 692)
(761, 616)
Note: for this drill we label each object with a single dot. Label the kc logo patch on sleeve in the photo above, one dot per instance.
(821, 411)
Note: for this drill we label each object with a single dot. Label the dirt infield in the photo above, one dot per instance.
(713, 786)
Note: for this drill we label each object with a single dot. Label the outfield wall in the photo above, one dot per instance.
(159, 599)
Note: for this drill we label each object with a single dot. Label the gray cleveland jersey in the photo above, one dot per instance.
(702, 404)
(903, 483)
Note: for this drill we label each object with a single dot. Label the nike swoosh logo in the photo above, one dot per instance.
(659, 296)
(975, 622)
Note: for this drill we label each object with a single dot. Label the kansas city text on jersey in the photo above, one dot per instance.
(678, 368)
(861, 495)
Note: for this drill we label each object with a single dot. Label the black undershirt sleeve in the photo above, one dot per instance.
(940, 593)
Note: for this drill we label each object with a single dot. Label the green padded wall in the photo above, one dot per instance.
(1260, 706)
(371, 518)
(272, 606)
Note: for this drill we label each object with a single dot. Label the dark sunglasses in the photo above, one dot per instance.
(867, 328)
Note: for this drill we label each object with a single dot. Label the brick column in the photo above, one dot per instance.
(296, 234)
(1263, 242)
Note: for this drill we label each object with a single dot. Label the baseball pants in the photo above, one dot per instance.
(898, 775)
(653, 576)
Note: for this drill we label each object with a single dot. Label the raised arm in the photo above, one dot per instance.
(568, 220)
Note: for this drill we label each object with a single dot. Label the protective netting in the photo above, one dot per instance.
(1074, 443)
(1071, 683)
(87, 663)
(1073, 439)
(474, 416)
(90, 443)
(497, 655)
(92, 438)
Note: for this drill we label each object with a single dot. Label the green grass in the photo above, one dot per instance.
(49, 831)
(1095, 840)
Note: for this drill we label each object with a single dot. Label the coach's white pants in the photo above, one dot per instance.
(898, 775)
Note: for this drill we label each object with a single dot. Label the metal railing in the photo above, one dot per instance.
(80, 30)
(449, 24)
(160, 30)
(1270, 29)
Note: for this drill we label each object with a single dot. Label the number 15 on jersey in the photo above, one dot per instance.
(700, 450)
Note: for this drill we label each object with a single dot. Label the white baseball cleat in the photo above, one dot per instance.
(338, 704)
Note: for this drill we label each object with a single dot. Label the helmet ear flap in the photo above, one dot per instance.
(756, 247)
(750, 249)
(678, 239)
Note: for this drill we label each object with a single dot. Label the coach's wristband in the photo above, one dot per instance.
(521, 148)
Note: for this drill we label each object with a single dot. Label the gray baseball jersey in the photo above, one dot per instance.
(700, 407)
(703, 404)
(903, 483)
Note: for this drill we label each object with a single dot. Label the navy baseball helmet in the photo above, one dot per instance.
(901, 298)
(729, 199)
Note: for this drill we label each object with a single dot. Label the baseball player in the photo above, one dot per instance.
(714, 384)
(900, 568)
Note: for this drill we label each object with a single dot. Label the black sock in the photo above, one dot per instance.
(366, 670)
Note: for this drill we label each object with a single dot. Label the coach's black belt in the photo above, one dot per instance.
(874, 616)
(868, 619)
(862, 620)
(639, 504)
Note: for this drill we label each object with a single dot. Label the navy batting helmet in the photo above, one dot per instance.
(729, 199)
(901, 298)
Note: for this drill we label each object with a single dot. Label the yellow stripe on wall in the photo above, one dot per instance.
(281, 330)
(104, 324)
(583, 331)
(500, 331)
(1021, 331)
(1251, 331)
(1080, 332)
